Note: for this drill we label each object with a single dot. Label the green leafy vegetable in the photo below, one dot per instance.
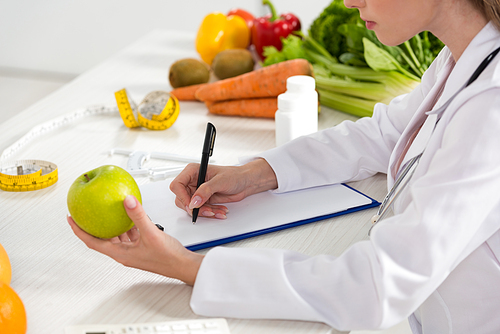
(381, 60)
(324, 28)
(292, 49)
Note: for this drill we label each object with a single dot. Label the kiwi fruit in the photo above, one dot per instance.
(187, 72)
(232, 62)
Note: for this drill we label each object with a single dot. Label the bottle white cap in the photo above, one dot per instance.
(296, 85)
(287, 102)
(300, 83)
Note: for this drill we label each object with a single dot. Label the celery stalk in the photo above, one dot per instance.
(366, 90)
(345, 103)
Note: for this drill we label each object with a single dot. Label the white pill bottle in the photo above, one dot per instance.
(297, 113)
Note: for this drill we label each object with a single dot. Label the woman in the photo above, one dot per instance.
(435, 261)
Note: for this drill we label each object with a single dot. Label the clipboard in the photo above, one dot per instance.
(255, 215)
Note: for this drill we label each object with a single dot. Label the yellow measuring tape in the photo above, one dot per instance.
(27, 175)
(157, 111)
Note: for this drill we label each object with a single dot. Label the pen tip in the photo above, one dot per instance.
(195, 215)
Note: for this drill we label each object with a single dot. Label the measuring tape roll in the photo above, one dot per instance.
(27, 175)
(157, 111)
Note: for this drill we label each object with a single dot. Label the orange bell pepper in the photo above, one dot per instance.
(219, 32)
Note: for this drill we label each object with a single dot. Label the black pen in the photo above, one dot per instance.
(208, 149)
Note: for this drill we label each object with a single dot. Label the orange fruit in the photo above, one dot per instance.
(12, 312)
(5, 268)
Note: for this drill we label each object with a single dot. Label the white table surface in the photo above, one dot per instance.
(63, 283)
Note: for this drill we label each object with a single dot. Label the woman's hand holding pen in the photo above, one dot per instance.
(223, 185)
(145, 247)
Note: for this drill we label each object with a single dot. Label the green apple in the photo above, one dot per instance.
(95, 201)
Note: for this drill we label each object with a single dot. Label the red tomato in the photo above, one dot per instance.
(247, 16)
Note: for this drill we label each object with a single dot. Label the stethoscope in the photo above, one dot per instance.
(408, 169)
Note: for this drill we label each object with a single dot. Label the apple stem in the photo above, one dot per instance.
(88, 178)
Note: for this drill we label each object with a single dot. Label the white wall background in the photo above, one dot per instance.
(68, 37)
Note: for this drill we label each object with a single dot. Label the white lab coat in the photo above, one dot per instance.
(435, 261)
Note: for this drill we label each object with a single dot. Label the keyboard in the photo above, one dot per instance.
(190, 326)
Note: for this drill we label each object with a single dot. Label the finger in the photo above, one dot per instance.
(124, 237)
(133, 234)
(136, 212)
(213, 211)
(115, 240)
(181, 186)
(202, 194)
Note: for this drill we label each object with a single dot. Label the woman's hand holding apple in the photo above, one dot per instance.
(145, 247)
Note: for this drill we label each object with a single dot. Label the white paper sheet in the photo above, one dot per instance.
(250, 216)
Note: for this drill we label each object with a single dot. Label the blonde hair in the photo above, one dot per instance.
(490, 9)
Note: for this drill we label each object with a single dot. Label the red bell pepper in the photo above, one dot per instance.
(268, 30)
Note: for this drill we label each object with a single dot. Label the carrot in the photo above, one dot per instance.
(186, 93)
(257, 107)
(265, 82)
